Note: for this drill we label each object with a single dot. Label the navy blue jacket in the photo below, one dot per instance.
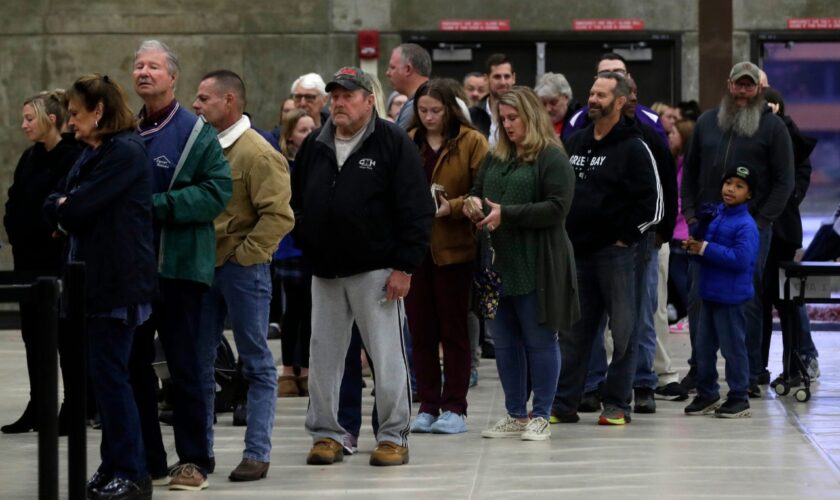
(726, 266)
(108, 215)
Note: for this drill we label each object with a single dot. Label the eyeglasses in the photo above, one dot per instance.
(304, 97)
(748, 86)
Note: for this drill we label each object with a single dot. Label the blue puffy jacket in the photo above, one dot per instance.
(727, 264)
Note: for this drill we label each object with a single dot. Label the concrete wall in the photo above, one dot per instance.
(48, 43)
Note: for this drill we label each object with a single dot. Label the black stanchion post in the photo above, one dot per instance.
(76, 391)
(44, 298)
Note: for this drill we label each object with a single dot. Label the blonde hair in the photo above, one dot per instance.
(378, 97)
(46, 103)
(539, 133)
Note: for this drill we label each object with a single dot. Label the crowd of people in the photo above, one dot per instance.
(413, 230)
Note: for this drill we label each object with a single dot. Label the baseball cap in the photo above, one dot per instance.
(742, 171)
(744, 68)
(350, 78)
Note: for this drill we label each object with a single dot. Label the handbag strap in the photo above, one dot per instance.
(488, 254)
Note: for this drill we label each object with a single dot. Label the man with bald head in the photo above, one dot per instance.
(247, 234)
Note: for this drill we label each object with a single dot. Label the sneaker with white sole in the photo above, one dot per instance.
(450, 423)
(423, 423)
(187, 477)
(507, 427)
(537, 430)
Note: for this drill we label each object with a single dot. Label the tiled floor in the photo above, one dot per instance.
(786, 450)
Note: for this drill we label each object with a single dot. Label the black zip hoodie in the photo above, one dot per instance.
(617, 191)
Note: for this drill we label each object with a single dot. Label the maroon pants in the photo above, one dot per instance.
(437, 314)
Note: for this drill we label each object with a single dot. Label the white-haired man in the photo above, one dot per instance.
(310, 94)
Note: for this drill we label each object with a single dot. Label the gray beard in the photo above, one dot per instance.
(741, 121)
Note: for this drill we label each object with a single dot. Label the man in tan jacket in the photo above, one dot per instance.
(247, 234)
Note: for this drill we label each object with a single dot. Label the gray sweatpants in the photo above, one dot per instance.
(336, 303)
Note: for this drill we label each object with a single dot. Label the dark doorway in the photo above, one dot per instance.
(652, 57)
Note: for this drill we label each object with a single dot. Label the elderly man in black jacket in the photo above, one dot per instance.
(364, 216)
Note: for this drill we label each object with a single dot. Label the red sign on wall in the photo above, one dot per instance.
(608, 25)
(475, 25)
(814, 23)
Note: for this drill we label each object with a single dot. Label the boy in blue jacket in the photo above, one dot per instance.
(727, 257)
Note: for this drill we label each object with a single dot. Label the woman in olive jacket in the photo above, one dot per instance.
(437, 304)
(522, 195)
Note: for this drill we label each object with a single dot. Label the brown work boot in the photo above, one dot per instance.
(388, 453)
(303, 385)
(325, 451)
(249, 470)
(287, 386)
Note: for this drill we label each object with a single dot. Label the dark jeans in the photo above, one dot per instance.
(436, 308)
(175, 317)
(722, 326)
(752, 309)
(350, 395)
(678, 277)
(109, 350)
(296, 328)
(782, 251)
(606, 285)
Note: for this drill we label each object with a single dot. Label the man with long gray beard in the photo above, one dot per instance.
(742, 131)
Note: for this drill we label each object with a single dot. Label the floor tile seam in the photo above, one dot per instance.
(479, 465)
(806, 433)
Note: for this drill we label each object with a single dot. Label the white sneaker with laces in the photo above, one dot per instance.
(507, 427)
(537, 430)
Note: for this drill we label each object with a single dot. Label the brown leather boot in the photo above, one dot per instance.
(249, 470)
(388, 453)
(303, 385)
(287, 386)
(325, 451)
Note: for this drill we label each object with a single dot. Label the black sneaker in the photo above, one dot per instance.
(563, 418)
(734, 408)
(590, 402)
(794, 381)
(702, 405)
(689, 382)
(673, 391)
(644, 402)
(754, 391)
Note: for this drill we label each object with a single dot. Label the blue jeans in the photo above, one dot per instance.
(752, 308)
(606, 285)
(722, 326)
(109, 349)
(524, 347)
(243, 293)
(647, 273)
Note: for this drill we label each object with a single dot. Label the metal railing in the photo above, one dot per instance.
(43, 295)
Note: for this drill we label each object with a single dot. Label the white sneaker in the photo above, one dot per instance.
(507, 427)
(537, 430)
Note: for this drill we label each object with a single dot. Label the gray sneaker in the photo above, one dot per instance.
(507, 427)
(537, 430)
(813, 367)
